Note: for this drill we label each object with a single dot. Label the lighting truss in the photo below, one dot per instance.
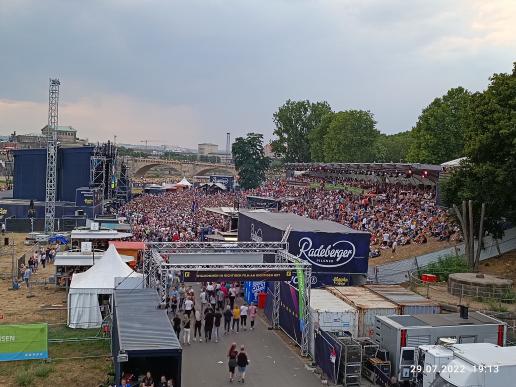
(157, 271)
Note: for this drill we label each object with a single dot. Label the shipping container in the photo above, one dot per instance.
(408, 301)
(368, 304)
(331, 314)
(401, 336)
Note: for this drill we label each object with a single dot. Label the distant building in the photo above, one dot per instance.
(207, 149)
(65, 134)
(267, 149)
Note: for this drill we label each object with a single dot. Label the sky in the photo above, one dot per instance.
(184, 72)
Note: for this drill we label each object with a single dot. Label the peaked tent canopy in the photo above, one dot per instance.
(83, 304)
(185, 183)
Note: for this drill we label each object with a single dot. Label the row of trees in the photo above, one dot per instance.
(308, 131)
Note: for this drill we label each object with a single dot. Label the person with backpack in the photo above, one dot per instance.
(208, 324)
(197, 326)
(186, 329)
(232, 361)
(242, 363)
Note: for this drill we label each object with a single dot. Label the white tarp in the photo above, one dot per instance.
(83, 304)
(185, 183)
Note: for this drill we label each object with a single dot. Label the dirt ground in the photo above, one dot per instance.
(503, 266)
(48, 304)
(408, 251)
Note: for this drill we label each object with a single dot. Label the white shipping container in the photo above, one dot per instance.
(368, 304)
(331, 314)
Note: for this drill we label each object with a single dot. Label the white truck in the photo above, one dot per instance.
(466, 365)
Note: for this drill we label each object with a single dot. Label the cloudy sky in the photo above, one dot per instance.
(183, 72)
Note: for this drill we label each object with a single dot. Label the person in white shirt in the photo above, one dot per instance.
(243, 316)
(204, 300)
(188, 306)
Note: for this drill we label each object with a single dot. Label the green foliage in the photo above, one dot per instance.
(24, 378)
(489, 175)
(351, 137)
(250, 160)
(439, 133)
(496, 306)
(294, 121)
(316, 137)
(393, 147)
(446, 266)
(43, 370)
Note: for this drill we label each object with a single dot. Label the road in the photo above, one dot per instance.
(272, 362)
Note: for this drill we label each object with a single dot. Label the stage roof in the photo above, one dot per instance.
(281, 220)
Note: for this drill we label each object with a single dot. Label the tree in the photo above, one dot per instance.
(294, 121)
(439, 133)
(489, 173)
(393, 147)
(316, 137)
(351, 137)
(250, 160)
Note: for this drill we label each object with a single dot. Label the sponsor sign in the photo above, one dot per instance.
(23, 342)
(318, 280)
(331, 252)
(240, 275)
(258, 202)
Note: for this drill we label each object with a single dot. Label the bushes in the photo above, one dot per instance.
(446, 266)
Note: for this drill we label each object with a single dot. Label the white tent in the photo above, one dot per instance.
(83, 304)
(185, 183)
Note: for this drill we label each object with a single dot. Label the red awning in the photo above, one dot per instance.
(128, 245)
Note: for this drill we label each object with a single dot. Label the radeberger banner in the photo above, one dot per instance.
(23, 342)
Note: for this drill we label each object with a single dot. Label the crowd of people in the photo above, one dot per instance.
(216, 303)
(395, 215)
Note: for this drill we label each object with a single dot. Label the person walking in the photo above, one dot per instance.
(217, 316)
(177, 325)
(243, 316)
(208, 324)
(204, 301)
(220, 299)
(236, 319)
(232, 295)
(252, 314)
(232, 361)
(186, 329)
(242, 363)
(228, 315)
(197, 326)
(188, 305)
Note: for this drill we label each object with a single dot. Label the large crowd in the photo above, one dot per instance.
(395, 215)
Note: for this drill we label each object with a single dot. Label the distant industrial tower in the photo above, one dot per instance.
(228, 147)
(51, 182)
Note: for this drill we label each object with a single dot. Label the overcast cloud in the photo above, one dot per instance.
(183, 72)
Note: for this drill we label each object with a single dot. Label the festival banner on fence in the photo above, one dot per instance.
(23, 342)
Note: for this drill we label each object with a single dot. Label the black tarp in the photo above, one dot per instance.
(327, 354)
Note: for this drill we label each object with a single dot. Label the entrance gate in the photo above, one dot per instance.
(157, 269)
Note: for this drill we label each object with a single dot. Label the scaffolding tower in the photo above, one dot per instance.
(51, 177)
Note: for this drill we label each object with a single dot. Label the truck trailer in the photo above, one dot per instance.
(401, 335)
(466, 365)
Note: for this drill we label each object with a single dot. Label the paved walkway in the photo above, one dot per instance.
(272, 362)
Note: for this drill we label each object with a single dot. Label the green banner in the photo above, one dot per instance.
(23, 342)
(301, 290)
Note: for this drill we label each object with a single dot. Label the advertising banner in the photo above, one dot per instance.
(331, 252)
(23, 342)
(240, 275)
(251, 290)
